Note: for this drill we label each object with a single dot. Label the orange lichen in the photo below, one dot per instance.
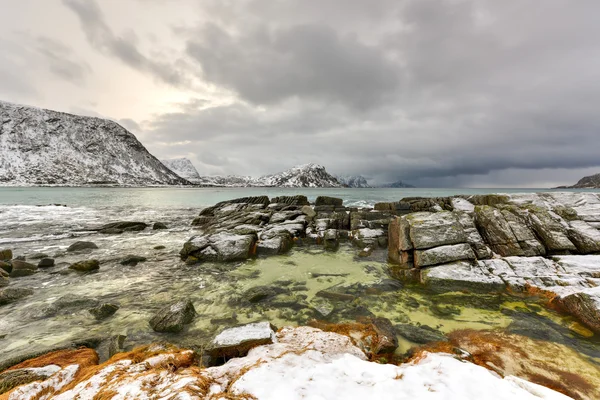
(82, 357)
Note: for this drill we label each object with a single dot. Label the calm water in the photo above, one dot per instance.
(200, 197)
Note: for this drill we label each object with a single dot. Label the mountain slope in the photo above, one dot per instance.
(588, 182)
(182, 167)
(351, 181)
(308, 175)
(44, 147)
(397, 184)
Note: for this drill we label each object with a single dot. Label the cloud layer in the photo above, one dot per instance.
(434, 92)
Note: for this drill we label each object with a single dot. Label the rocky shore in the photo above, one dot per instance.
(482, 252)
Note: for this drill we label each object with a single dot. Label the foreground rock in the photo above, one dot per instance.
(236, 342)
(22, 268)
(302, 363)
(80, 246)
(103, 311)
(174, 317)
(10, 295)
(85, 266)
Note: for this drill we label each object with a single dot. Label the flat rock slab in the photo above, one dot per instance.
(236, 342)
(461, 276)
(429, 230)
(443, 255)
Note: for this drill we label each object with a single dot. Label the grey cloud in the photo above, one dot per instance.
(100, 36)
(61, 61)
(266, 66)
(129, 124)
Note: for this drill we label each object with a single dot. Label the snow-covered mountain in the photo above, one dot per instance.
(307, 175)
(183, 167)
(397, 184)
(228, 181)
(44, 147)
(353, 181)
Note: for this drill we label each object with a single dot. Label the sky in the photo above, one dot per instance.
(437, 93)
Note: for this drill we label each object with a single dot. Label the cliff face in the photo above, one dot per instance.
(182, 167)
(44, 147)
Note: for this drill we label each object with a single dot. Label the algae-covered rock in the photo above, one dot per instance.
(82, 245)
(22, 268)
(585, 305)
(46, 263)
(85, 266)
(421, 334)
(103, 311)
(159, 226)
(6, 255)
(132, 260)
(173, 317)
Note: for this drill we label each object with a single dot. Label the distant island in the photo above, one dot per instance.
(587, 182)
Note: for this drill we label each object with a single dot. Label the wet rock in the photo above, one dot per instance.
(37, 256)
(159, 247)
(69, 304)
(4, 281)
(10, 294)
(279, 244)
(159, 226)
(103, 311)
(366, 237)
(328, 201)
(387, 342)
(261, 293)
(132, 260)
(443, 255)
(79, 246)
(585, 306)
(122, 226)
(331, 295)
(85, 266)
(22, 268)
(236, 342)
(422, 334)
(6, 255)
(534, 327)
(46, 263)
(110, 346)
(5, 266)
(173, 317)
(331, 240)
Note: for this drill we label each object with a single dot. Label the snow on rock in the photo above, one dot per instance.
(182, 167)
(304, 363)
(308, 175)
(44, 147)
(353, 181)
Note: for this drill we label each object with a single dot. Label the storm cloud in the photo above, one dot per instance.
(433, 92)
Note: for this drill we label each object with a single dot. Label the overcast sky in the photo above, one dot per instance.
(481, 93)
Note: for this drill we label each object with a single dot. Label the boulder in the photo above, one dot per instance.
(429, 230)
(585, 237)
(461, 276)
(308, 211)
(236, 342)
(132, 260)
(552, 230)
(5, 266)
(367, 237)
(298, 200)
(10, 294)
(4, 281)
(526, 238)
(220, 247)
(81, 245)
(173, 317)
(159, 226)
(481, 249)
(22, 268)
(328, 201)
(103, 311)
(46, 263)
(331, 239)
(497, 232)
(387, 342)
(443, 255)
(585, 305)
(279, 244)
(6, 255)
(85, 266)
(122, 226)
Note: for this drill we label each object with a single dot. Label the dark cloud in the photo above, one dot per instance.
(100, 36)
(266, 66)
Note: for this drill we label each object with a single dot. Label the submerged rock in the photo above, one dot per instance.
(85, 266)
(10, 294)
(122, 226)
(173, 317)
(421, 334)
(69, 304)
(132, 260)
(236, 342)
(103, 311)
(46, 263)
(79, 246)
(22, 268)
(159, 226)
